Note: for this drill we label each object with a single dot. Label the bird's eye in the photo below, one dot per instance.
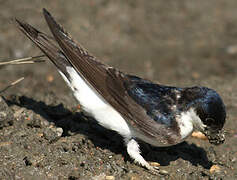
(210, 121)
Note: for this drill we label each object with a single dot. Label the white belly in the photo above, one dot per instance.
(95, 105)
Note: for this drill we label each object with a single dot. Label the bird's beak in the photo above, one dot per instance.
(215, 137)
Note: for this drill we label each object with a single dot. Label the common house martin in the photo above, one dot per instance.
(133, 107)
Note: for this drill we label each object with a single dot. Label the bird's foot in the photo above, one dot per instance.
(134, 153)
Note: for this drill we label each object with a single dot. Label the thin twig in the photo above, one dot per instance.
(27, 60)
(12, 84)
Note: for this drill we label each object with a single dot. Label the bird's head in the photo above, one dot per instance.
(211, 110)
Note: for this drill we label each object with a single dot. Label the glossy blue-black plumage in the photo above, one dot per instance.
(159, 101)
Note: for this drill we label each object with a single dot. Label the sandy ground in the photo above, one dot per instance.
(43, 134)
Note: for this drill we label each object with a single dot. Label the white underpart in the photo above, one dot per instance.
(188, 121)
(95, 105)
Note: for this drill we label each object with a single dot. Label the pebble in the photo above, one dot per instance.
(234, 159)
(18, 112)
(231, 49)
(59, 132)
(164, 172)
(109, 177)
(154, 164)
(36, 121)
(215, 169)
(199, 135)
(50, 78)
(52, 134)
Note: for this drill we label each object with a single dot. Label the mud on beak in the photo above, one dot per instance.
(216, 137)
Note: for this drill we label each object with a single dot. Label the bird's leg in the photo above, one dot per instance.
(134, 152)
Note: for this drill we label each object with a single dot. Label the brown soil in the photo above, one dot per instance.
(43, 134)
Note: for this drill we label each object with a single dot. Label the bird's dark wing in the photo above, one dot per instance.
(111, 84)
(47, 44)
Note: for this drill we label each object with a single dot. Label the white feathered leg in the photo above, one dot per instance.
(135, 153)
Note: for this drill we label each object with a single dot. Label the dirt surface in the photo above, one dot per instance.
(43, 134)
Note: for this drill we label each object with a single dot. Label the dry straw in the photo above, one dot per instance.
(27, 60)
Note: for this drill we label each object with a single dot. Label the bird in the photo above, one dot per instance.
(136, 108)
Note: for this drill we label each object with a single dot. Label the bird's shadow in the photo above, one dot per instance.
(71, 121)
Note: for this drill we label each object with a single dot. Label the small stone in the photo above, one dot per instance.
(50, 78)
(35, 122)
(234, 159)
(195, 75)
(215, 169)
(199, 135)
(231, 49)
(59, 131)
(18, 112)
(109, 177)
(40, 134)
(163, 172)
(154, 164)
(53, 134)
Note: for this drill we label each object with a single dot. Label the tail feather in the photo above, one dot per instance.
(47, 46)
(90, 69)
